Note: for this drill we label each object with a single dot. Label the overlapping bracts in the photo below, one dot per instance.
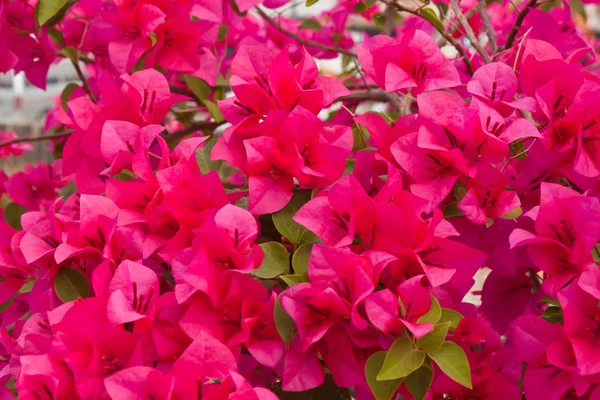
(310, 244)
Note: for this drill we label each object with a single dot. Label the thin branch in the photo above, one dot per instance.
(487, 23)
(195, 126)
(35, 138)
(470, 34)
(301, 40)
(442, 32)
(169, 136)
(366, 96)
(453, 27)
(84, 81)
(510, 39)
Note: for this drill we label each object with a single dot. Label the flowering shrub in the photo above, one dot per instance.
(225, 221)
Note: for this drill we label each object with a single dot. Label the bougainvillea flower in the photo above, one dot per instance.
(415, 62)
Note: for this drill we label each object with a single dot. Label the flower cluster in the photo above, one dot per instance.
(225, 221)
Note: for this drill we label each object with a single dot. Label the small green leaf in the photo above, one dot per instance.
(284, 324)
(382, 390)
(459, 190)
(71, 53)
(203, 157)
(418, 382)
(350, 165)
(153, 38)
(70, 284)
(310, 2)
(223, 29)
(514, 214)
(401, 360)
(283, 220)
(56, 36)
(549, 300)
(65, 96)
(433, 340)
(12, 215)
(310, 24)
(360, 136)
(276, 261)
(452, 210)
(430, 15)
(553, 315)
(451, 316)
(214, 111)
(360, 7)
(452, 360)
(301, 257)
(197, 86)
(293, 279)
(48, 9)
(434, 313)
(236, 9)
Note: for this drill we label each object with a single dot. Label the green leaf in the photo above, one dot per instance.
(284, 324)
(223, 29)
(203, 157)
(56, 36)
(360, 136)
(66, 94)
(289, 228)
(310, 2)
(197, 86)
(459, 190)
(236, 9)
(214, 111)
(360, 7)
(275, 262)
(12, 215)
(433, 340)
(293, 279)
(153, 38)
(71, 53)
(553, 315)
(70, 284)
(549, 300)
(310, 24)
(401, 359)
(418, 382)
(452, 360)
(382, 390)
(350, 165)
(301, 257)
(452, 210)
(451, 316)
(514, 214)
(48, 9)
(434, 313)
(430, 15)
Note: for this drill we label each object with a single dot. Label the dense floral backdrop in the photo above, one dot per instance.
(225, 221)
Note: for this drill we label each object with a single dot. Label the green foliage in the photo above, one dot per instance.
(47, 9)
(452, 360)
(283, 220)
(301, 257)
(275, 262)
(70, 284)
(433, 315)
(284, 324)
(401, 359)
(449, 315)
(419, 381)
(203, 157)
(382, 390)
(12, 215)
(432, 341)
